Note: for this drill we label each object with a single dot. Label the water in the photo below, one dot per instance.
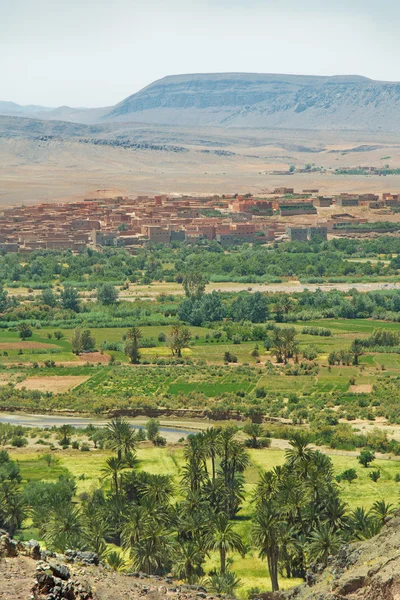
(43, 421)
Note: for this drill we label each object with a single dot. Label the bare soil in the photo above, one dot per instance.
(24, 345)
(53, 383)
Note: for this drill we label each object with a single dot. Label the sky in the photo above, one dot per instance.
(97, 52)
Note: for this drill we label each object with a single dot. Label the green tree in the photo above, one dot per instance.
(194, 284)
(178, 338)
(152, 429)
(24, 330)
(76, 342)
(366, 457)
(222, 538)
(254, 431)
(64, 433)
(87, 341)
(348, 475)
(107, 294)
(356, 350)
(48, 298)
(64, 528)
(120, 437)
(70, 299)
(323, 542)
(134, 335)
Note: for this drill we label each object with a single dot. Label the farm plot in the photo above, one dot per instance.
(57, 384)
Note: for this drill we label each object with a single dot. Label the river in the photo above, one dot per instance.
(32, 420)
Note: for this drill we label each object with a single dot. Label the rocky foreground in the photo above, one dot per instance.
(27, 572)
(367, 570)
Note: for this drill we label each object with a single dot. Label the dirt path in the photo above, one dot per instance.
(155, 290)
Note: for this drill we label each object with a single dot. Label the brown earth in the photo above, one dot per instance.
(63, 168)
(57, 384)
(94, 357)
(24, 345)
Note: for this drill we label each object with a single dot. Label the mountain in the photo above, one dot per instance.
(12, 109)
(257, 100)
(245, 100)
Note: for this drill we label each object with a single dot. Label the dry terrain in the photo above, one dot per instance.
(48, 162)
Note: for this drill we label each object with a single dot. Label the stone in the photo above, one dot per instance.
(60, 571)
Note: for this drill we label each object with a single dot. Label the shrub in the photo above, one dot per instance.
(347, 475)
(159, 440)
(85, 447)
(19, 441)
(375, 475)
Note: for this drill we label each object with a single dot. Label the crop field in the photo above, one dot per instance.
(104, 379)
(87, 470)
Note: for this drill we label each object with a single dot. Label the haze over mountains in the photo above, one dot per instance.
(246, 100)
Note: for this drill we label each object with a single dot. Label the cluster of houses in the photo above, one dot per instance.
(132, 222)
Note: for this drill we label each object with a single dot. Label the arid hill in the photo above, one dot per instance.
(367, 570)
(246, 100)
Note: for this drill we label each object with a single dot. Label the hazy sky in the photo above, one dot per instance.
(97, 52)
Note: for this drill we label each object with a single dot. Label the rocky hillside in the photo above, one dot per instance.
(26, 571)
(251, 100)
(368, 570)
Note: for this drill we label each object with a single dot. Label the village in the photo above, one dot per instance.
(228, 219)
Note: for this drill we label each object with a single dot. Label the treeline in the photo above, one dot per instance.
(245, 263)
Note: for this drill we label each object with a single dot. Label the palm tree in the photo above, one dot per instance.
(195, 471)
(188, 562)
(113, 468)
(116, 561)
(64, 528)
(211, 440)
(13, 507)
(382, 511)
(323, 542)
(254, 431)
(266, 535)
(153, 552)
(299, 455)
(224, 584)
(158, 488)
(120, 437)
(223, 538)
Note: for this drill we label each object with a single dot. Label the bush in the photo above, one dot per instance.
(375, 475)
(19, 441)
(75, 445)
(347, 475)
(85, 447)
(230, 358)
(159, 440)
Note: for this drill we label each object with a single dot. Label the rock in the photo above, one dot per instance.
(32, 549)
(351, 585)
(60, 571)
(8, 547)
(45, 582)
